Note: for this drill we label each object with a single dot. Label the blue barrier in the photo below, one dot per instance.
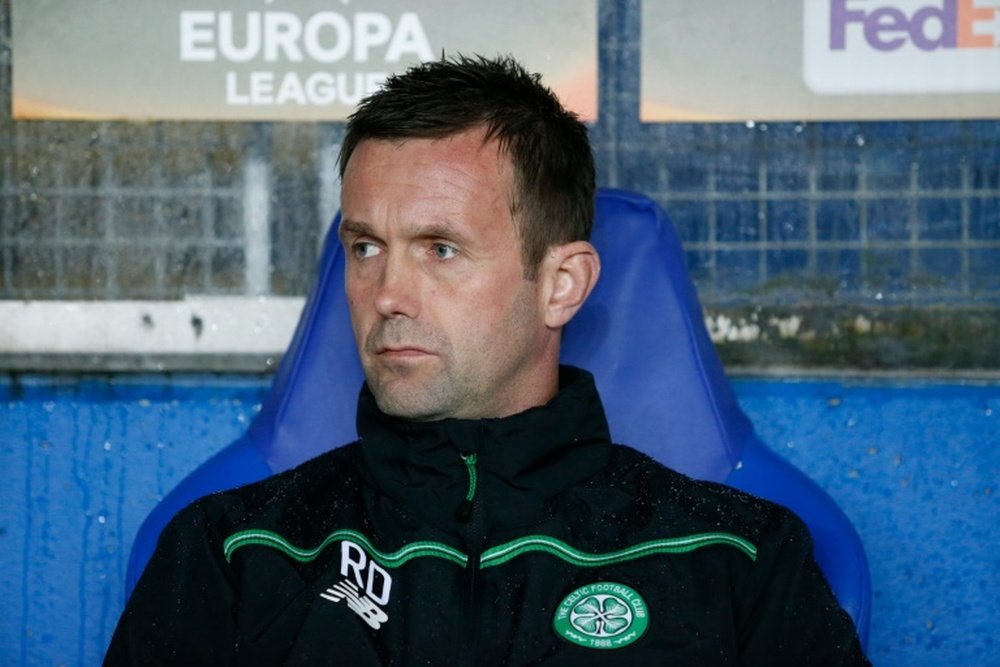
(914, 464)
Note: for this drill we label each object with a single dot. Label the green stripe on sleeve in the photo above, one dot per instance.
(501, 554)
(273, 540)
(491, 557)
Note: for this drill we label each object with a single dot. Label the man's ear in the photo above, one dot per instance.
(570, 272)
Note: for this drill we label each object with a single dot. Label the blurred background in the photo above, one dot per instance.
(844, 240)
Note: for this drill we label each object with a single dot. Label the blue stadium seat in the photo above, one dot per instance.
(641, 334)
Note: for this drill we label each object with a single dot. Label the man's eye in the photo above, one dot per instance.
(363, 250)
(444, 251)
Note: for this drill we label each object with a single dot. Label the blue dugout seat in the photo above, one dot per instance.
(641, 334)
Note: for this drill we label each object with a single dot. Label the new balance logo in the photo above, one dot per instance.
(359, 604)
(369, 590)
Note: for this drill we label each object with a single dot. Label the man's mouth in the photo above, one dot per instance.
(401, 352)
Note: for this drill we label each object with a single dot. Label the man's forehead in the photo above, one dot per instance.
(472, 143)
(427, 167)
(428, 183)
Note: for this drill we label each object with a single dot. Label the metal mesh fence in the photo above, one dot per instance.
(875, 212)
(156, 210)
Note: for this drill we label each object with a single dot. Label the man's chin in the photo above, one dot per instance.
(406, 398)
(410, 411)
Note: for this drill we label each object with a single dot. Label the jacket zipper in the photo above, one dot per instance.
(471, 511)
(465, 507)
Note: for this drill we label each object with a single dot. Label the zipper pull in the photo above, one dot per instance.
(464, 510)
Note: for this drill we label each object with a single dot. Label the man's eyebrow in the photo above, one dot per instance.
(354, 228)
(431, 230)
(440, 230)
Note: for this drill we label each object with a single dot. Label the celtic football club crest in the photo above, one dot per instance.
(603, 615)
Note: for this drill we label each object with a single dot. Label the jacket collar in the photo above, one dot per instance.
(522, 461)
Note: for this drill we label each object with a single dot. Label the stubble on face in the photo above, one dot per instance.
(396, 386)
(475, 378)
(463, 338)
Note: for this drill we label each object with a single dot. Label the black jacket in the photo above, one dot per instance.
(525, 540)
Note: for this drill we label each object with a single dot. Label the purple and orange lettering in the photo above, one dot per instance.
(887, 28)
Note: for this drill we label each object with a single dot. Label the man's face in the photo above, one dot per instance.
(445, 322)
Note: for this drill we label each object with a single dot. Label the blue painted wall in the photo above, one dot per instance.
(81, 464)
(914, 465)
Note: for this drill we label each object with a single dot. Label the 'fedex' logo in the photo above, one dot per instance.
(961, 24)
(882, 47)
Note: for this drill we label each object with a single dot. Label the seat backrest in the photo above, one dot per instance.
(642, 335)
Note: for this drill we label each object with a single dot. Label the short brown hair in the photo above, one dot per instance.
(548, 145)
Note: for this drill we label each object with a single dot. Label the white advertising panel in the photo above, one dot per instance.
(903, 46)
(728, 60)
(274, 59)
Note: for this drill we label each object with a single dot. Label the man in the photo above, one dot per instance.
(484, 517)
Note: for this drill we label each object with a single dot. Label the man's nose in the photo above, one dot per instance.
(397, 293)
